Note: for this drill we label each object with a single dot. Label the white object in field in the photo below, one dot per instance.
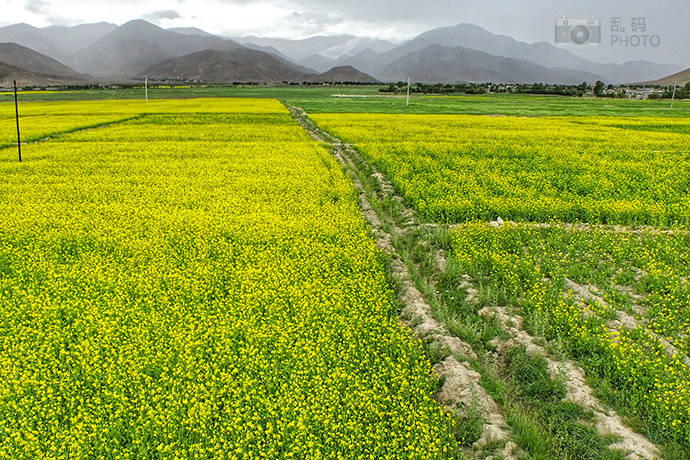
(408, 91)
(498, 223)
(146, 88)
(674, 92)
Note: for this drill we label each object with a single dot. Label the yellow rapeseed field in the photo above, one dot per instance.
(198, 282)
(455, 168)
(546, 173)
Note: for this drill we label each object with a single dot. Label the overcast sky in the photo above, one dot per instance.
(391, 19)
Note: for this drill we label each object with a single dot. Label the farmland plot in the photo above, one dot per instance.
(191, 284)
(620, 300)
(591, 264)
(595, 170)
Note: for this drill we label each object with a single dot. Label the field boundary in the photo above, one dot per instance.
(52, 136)
(388, 232)
(460, 384)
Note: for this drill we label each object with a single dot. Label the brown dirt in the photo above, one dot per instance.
(581, 227)
(635, 445)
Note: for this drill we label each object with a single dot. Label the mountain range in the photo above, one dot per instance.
(681, 78)
(379, 62)
(106, 52)
(18, 62)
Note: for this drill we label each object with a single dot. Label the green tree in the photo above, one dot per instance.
(599, 88)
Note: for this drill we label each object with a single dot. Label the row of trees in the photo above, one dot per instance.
(482, 88)
(437, 88)
(682, 92)
(599, 89)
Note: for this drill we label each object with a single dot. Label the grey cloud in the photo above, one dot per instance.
(162, 14)
(309, 23)
(37, 6)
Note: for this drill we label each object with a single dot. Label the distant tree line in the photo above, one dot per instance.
(599, 89)
(682, 92)
(437, 88)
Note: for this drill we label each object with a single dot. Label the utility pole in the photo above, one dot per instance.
(408, 91)
(146, 88)
(675, 84)
(16, 112)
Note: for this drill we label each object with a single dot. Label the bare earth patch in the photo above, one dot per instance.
(607, 422)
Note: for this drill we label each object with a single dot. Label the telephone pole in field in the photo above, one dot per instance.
(675, 85)
(16, 112)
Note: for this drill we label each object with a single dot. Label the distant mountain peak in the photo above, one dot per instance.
(344, 74)
(221, 66)
(139, 25)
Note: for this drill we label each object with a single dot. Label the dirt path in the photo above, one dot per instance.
(460, 389)
(608, 422)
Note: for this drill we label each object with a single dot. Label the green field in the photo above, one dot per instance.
(194, 277)
(368, 99)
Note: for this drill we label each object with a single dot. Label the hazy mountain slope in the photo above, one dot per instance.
(190, 31)
(238, 65)
(31, 37)
(373, 63)
(57, 42)
(318, 62)
(438, 63)
(681, 78)
(8, 73)
(328, 46)
(266, 49)
(354, 45)
(366, 59)
(138, 45)
(29, 60)
(294, 49)
(281, 57)
(542, 53)
(641, 71)
(70, 40)
(477, 38)
(343, 74)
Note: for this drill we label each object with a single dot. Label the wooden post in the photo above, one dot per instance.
(16, 112)
(674, 92)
